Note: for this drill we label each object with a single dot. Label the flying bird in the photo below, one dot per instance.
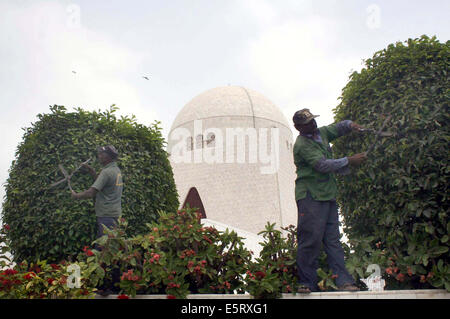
(74, 72)
(146, 78)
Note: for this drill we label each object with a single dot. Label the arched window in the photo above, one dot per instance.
(210, 140)
(199, 141)
(189, 143)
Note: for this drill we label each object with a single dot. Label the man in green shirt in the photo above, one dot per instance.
(315, 193)
(107, 189)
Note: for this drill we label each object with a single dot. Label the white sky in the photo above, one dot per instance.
(298, 53)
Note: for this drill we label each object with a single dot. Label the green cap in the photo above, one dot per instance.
(303, 117)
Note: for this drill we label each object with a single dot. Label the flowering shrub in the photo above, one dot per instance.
(275, 271)
(177, 257)
(43, 281)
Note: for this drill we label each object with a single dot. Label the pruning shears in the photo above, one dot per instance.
(378, 133)
(67, 177)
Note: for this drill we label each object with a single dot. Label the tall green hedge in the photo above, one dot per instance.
(395, 207)
(45, 223)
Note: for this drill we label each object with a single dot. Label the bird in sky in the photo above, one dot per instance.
(74, 72)
(146, 78)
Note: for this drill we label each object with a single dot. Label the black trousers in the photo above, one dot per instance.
(318, 225)
(109, 222)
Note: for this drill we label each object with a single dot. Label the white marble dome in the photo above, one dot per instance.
(236, 193)
(230, 101)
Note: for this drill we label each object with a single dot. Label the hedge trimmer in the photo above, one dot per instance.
(378, 133)
(67, 177)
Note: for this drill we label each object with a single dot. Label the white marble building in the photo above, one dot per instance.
(244, 194)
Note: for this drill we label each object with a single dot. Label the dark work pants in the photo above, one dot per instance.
(109, 222)
(318, 224)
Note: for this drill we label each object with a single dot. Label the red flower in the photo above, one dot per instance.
(410, 272)
(260, 274)
(207, 239)
(89, 253)
(123, 296)
(63, 280)
(54, 266)
(250, 274)
(129, 276)
(334, 276)
(6, 227)
(171, 297)
(173, 285)
(10, 272)
(50, 280)
(29, 275)
(389, 271)
(400, 277)
(85, 248)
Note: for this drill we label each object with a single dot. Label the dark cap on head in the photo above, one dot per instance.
(303, 117)
(110, 150)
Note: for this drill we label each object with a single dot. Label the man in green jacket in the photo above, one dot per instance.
(107, 189)
(315, 194)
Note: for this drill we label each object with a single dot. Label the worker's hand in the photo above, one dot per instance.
(74, 195)
(357, 159)
(356, 127)
(87, 168)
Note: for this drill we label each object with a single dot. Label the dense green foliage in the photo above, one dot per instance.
(395, 206)
(44, 222)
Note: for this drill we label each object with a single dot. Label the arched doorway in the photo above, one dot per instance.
(194, 200)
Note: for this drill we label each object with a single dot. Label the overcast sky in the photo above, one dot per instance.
(297, 53)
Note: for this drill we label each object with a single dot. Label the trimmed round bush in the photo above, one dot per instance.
(395, 206)
(45, 222)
